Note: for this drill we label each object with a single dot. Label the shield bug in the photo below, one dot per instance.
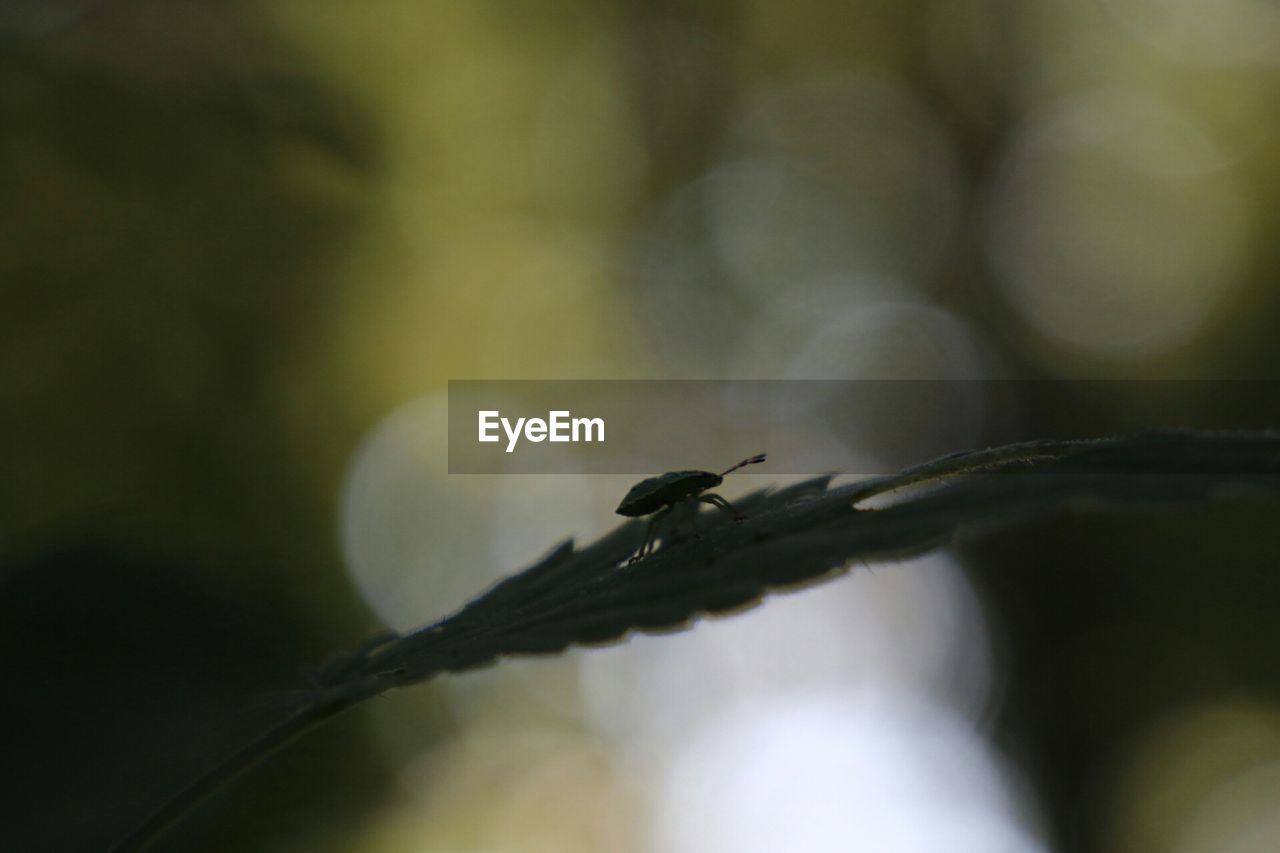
(657, 495)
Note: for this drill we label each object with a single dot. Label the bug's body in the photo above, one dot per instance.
(659, 494)
(654, 493)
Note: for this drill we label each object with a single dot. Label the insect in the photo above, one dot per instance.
(657, 495)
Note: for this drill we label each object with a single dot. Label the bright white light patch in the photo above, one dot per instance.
(838, 773)
(913, 629)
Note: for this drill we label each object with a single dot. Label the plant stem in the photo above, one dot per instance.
(248, 756)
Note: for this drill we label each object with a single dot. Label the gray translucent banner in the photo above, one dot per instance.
(864, 427)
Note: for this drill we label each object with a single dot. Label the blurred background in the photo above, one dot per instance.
(244, 246)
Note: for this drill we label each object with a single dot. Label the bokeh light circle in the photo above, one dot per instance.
(1114, 230)
(420, 543)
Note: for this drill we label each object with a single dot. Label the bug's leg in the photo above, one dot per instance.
(647, 546)
(722, 504)
(644, 546)
(653, 529)
(650, 537)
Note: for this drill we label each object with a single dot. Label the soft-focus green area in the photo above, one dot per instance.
(244, 246)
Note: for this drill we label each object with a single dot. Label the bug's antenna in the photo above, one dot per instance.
(753, 460)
